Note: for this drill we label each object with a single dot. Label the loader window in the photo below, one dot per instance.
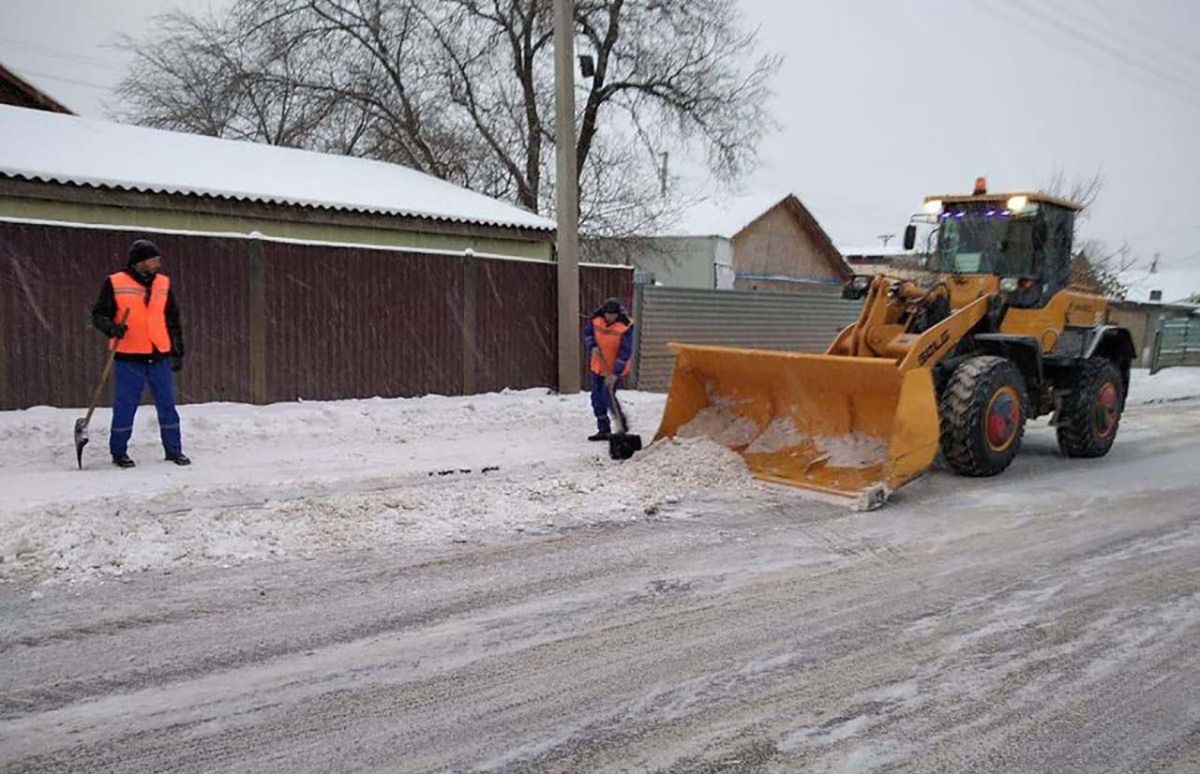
(975, 243)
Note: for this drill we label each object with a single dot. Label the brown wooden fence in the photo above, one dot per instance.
(269, 321)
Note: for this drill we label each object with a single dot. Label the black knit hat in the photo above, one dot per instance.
(141, 250)
(612, 305)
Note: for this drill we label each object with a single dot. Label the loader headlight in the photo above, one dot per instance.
(933, 206)
(861, 282)
(1010, 284)
(1017, 203)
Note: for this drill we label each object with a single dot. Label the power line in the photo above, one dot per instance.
(1100, 44)
(1148, 47)
(1153, 35)
(59, 54)
(1055, 41)
(89, 84)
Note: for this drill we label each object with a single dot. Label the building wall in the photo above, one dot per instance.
(677, 262)
(72, 204)
(778, 245)
(266, 320)
(725, 275)
(1138, 322)
(1142, 320)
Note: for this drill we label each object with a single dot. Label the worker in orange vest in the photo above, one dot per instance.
(148, 347)
(608, 336)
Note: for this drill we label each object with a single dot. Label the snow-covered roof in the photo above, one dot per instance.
(58, 148)
(878, 251)
(723, 216)
(1177, 283)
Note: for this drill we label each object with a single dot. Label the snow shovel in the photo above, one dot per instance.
(81, 424)
(621, 444)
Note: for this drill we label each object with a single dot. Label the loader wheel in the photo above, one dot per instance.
(983, 416)
(1090, 414)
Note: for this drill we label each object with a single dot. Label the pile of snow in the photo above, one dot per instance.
(853, 450)
(720, 424)
(298, 480)
(780, 434)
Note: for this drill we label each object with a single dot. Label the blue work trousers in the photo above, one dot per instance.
(130, 381)
(601, 404)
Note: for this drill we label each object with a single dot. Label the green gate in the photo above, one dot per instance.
(1176, 343)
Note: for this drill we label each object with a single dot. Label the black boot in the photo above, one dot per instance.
(602, 435)
(123, 461)
(179, 458)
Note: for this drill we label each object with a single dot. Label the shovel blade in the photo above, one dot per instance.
(622, 446)
(81, 439)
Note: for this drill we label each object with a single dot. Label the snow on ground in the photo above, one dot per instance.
(304, 478)
(1165, 386)
(300, 479)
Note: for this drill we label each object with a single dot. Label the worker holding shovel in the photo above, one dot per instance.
(608, 336)
(148, 347)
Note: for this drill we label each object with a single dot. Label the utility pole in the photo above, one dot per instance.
(567, 195)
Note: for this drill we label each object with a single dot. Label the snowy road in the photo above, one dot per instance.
(1046, 620)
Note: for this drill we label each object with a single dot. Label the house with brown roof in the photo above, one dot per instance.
(767, 243)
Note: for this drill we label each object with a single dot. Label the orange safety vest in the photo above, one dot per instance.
(608, 340)
(147, 321)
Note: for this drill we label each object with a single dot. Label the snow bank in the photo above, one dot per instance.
(1165, 386)
(308, 478)
(302, 479)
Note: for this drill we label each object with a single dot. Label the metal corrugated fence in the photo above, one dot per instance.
(269, 321)
(1177, 343)
(805, 321)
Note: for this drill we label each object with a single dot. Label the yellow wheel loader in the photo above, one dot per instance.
(996, 336)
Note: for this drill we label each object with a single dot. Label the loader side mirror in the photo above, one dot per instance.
(910, 236)
(856, 287)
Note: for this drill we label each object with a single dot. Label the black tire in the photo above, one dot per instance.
(1090, 415)
(982, 411)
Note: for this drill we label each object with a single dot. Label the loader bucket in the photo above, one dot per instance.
(838, 425)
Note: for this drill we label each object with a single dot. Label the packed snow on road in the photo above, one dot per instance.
(310, 478)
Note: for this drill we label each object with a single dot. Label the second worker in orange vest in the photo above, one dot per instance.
(608, 336)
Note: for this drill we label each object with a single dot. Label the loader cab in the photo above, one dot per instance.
(1024, 239)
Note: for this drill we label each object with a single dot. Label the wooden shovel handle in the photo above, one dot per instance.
(108, 364)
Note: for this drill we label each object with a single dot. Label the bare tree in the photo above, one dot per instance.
(463, 89)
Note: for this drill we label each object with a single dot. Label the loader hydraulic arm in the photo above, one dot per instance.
(884, 328)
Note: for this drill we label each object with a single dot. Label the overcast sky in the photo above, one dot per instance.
(879, 101)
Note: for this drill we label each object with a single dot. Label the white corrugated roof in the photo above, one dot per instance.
(1177, 283)
(723, 216)
(37, 145)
